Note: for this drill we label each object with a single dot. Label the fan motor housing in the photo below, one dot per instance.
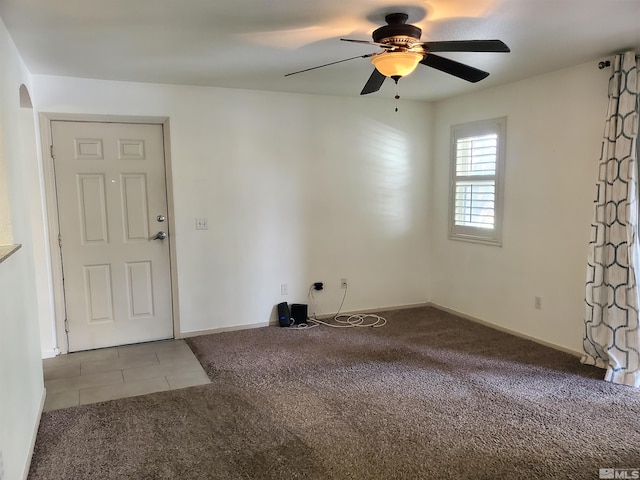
(397, 31)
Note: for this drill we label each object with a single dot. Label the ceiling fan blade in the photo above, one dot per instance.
(457, 69)
(368, 42)
(332, 63)
(374, 83)
(467, 46)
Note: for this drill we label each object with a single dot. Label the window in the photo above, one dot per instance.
(477, 164)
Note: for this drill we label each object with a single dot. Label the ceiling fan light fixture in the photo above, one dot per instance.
(399, 64)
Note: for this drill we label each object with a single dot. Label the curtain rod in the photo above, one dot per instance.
(607, 63)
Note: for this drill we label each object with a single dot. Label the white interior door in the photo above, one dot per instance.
(111, 191)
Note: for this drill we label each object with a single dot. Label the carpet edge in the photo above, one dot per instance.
(500, 328)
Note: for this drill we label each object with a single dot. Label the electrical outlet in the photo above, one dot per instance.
(537, 303)
(202, 224)
(284, 289)
(343, 283)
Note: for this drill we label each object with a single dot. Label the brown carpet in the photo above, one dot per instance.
(428, 396)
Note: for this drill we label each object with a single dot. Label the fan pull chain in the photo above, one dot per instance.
(397, 97)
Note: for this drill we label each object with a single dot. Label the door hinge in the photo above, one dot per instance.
(66, 325)
(52, 153)
(60, 240)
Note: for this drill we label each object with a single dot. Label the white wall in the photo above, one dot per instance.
(301, 188)
(21, 383)
(296, 189)
(554, 127)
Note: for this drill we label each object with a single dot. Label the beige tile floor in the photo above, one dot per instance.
(110, 373)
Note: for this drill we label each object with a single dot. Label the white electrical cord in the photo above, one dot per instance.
(344, 320)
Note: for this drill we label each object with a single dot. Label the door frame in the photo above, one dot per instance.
(53, 226)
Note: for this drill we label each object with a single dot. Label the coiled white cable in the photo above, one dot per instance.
(344, 320)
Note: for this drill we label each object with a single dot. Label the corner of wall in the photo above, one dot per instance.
(34, 435)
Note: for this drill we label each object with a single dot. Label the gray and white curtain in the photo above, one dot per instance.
(612, 339)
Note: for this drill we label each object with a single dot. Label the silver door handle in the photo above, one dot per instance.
(160, 236)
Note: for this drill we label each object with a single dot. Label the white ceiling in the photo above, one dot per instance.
(254, 43)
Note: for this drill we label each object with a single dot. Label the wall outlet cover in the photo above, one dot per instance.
(202, 224)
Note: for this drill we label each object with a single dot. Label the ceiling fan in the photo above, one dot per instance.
(403, 51)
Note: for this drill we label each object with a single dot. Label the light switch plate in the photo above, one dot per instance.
(202, 224)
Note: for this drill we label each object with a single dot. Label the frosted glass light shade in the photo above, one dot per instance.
(396, 63)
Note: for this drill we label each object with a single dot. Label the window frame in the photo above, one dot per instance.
(489, 236)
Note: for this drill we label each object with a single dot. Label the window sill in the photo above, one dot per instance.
(7, 250)
(479, 240)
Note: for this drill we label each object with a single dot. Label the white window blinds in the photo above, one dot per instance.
(476, 175)
(475, 197)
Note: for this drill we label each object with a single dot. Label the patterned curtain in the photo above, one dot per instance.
(611, 339)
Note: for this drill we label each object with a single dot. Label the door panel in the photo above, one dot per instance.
(110, 183)
(134, 203)
(140, 289)
(98, 292)
(93, 209)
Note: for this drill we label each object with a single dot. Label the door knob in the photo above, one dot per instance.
(160, 236)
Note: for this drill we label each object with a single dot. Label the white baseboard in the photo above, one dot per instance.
(323, 316)
(274, 321)
(34, 435)
(197, 333)
(507, 330)
(54, 352)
